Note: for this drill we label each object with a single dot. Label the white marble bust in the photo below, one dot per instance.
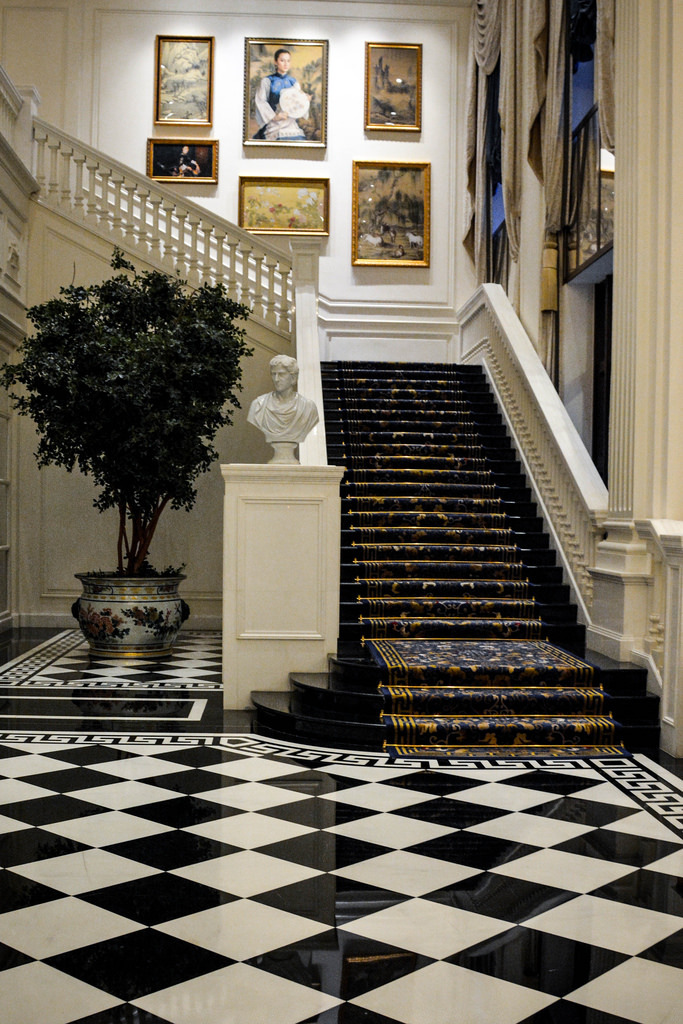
(283, 415)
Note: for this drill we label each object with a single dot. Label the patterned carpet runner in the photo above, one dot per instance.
(447, 576)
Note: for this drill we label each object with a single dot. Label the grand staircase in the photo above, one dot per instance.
(457, 634)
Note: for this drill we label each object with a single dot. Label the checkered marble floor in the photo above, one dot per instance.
(209, 878)
(60, 685)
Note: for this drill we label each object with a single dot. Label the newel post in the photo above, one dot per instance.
(305, 260)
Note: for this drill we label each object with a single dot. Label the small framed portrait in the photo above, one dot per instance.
(285, 92)
(285, 206)
(183, 160)
(393, 87)
(184, 77)
(390, 214)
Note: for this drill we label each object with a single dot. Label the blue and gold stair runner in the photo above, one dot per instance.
(447, 577)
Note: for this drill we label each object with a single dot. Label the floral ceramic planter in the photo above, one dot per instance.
(125, 617)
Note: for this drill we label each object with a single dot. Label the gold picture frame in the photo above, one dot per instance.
(284, 206)
(302, 120)
(194, 160)
(184, 80)
(393, 87)
(391, 214)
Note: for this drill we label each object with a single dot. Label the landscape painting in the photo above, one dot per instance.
(390, 214)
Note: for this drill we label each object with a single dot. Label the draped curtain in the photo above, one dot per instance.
(529, 38)
(495, 40)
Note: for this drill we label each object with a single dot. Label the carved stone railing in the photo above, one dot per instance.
(11, 103)
(662, 644)
(171, 231)
(569, 491)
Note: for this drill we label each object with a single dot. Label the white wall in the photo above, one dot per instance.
(93, 64)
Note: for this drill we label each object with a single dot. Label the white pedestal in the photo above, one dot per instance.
(281, 535)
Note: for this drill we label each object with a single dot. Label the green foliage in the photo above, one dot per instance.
(129, 380)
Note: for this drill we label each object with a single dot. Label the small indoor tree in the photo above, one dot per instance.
(129, 380)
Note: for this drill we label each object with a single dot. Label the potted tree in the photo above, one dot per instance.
(129, 380)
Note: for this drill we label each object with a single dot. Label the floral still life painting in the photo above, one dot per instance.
(284, 205)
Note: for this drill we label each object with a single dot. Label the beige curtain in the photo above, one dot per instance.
(545, 152)
(510, 109)
(536, 68)
(604, 71)
(483, 56)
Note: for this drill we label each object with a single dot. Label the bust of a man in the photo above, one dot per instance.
(283, 415)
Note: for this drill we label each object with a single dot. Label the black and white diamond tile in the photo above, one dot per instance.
(186, 877)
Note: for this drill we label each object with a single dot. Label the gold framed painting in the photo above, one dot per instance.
(285, 92)
(284, 206)
(183, 160)
(184, 80)
(393, 87)
(391, 213)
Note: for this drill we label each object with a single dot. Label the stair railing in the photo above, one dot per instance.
(172, 232)
(11, 103)
(569, 491)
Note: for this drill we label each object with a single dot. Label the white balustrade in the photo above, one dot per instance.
(171, 231)
(568, 488)
(11, 103)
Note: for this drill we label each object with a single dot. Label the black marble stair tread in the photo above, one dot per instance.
(352, 520)
(438, 535)
(276, 719)
(360, 569)
(453, 554)
(315, 694)
(370, 442)
(517, 700)
(549, 594)
(501, 729)
(458, 607)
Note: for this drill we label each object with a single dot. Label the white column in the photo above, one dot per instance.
(644, 249)
(281, 536)
(305, 260)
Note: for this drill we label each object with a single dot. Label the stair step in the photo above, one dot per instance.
(448, 608)
(355, 570)
(473, 751)
(461, 700)
(451, 554)
(312, 695)
(453, 589)
(500, 729)
(276, 719)
(456, 536)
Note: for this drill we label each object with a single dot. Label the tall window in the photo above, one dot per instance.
(590, 207)
(498, 250)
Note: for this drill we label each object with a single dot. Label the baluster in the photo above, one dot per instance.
(180, 253)
(285, 305)
(214, 255)
(79, 195)
(246, 287)
(116, 221)
(229, 269)
(192, 256)
(127, 208)
(92, 208)
(154, 232)
(138, 210)
(53, 180)
(166, 209)
(104, 211)
(206, 263)
(40, 139)
(66, 153)
(270, 264)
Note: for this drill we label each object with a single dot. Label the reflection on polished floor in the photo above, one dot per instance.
(163, 865)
